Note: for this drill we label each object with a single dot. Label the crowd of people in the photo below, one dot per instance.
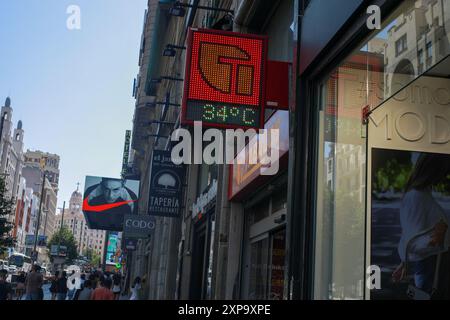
(86, 286)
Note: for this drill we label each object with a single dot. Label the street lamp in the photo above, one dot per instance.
(178, 9)
(34, 254)
(170, 51)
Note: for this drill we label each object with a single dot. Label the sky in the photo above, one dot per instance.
(72, 89)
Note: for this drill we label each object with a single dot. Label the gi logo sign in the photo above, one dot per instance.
(225, 79)
(166, 183)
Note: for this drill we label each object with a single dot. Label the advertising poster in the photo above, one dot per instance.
(410, 215)
(111, 248)
(41, 241)
(107, 200)
(165, 186)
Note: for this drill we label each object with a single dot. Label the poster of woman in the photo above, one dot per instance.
(410, 239)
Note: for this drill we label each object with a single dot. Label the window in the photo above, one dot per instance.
(429, 51)
(420, 57)
(401, 45)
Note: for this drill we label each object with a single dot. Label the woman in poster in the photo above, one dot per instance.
(420, 212)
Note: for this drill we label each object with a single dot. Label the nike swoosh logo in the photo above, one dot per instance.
(103, 207)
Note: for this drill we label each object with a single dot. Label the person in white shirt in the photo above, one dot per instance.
(135, 289)
(420, 213)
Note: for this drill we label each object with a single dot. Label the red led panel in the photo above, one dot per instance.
(229, 70)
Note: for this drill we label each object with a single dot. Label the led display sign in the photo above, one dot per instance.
(225, 79)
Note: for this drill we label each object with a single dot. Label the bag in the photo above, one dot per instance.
(413, 292)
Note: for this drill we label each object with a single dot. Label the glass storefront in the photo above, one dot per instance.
(413, 39)
(265, 246)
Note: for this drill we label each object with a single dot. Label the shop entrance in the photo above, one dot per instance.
(202, 258)
(408, 189)
(264, 254)
(198, 262)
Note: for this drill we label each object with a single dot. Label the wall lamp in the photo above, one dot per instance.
(153, 136)
(159, 80)
(178, 9)
(160, 122)
(172, 79)
(170, 51)
(154, 104)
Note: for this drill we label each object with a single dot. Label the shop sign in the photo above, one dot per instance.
(138, 226)
(130, 244)
(126, 152)
(225, 79)
(417, 118)
(166, 184)
(204, 201)
(246, 176)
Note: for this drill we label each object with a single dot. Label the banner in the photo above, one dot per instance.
(107, 200)
(41, 242)
(165, 185)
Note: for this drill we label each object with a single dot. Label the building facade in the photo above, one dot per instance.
(11, 148)
(51, 166)
(73, 219)
(368, 108)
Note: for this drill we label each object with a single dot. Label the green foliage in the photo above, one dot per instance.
(92, 256)
(393, 176)
(6, 210)
(64, 237)
(444, 187)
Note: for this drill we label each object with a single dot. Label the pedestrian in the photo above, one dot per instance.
(61, 286)
(72, 289)
(117, 279)
(33, 284)
(54, 285)
(20, 289)
(93, 280)
(104, 292)
(78, 290)
(136, 289)
(5, 287)
(86, 292)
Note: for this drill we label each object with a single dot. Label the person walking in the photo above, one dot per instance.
(104, 292)
(86, 292)
(5, 287)
(117, 279)
(81, 286)
(54, 285)
(20, 289)
(136, 289)
(33, 284)
(71, 292)
(61, 286)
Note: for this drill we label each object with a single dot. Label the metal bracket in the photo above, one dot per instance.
(365, 113)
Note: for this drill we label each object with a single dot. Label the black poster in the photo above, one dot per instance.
(166, 183)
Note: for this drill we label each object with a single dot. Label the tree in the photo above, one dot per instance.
(65, 238)
(6, 209)
(92, 256)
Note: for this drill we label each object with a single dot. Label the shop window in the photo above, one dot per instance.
(260, 211)
(279, 200)
(382, 65)
(429, 48)
(259, 261)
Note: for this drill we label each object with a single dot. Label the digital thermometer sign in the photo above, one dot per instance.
(225, 79)
(223, 114)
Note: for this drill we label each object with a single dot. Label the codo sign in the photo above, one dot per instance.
(138, 226)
